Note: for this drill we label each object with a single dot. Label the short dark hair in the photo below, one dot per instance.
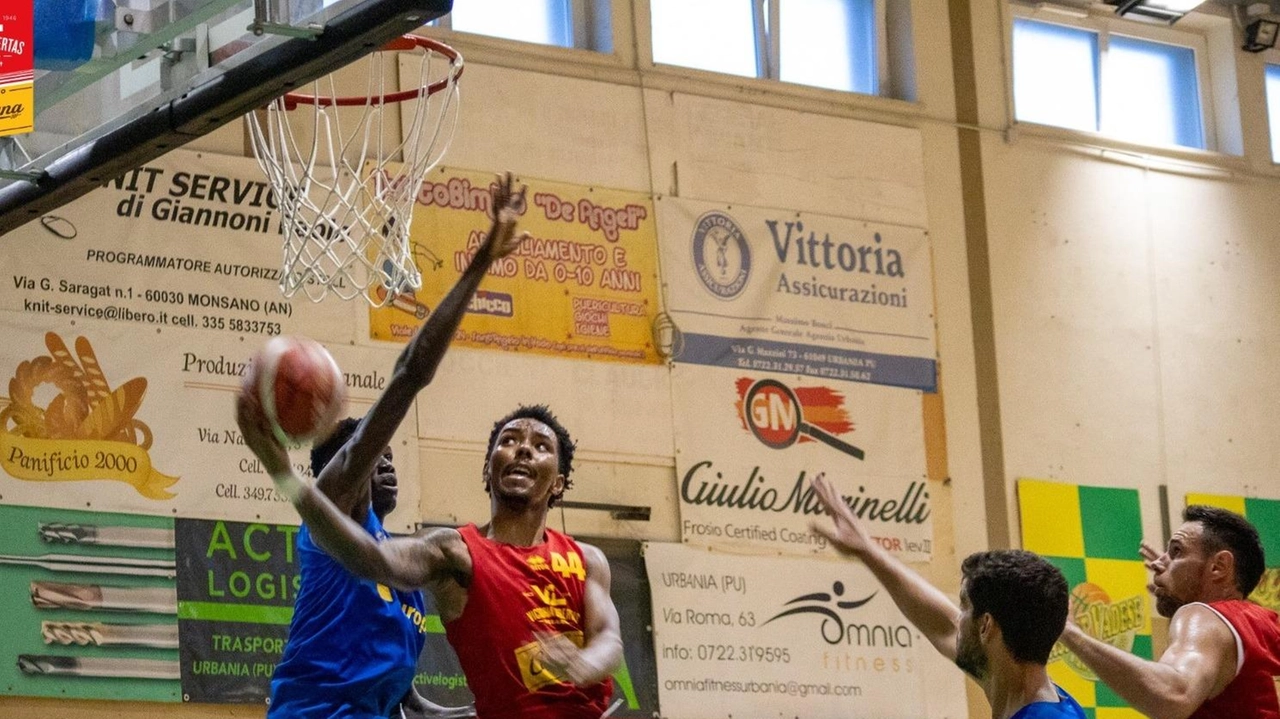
(565, 445)
(1024, 593)
(1224, 529)
(323, 451)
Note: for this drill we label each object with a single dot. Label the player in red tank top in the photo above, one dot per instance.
(1223, 660)
(526, 608)
(515, 594)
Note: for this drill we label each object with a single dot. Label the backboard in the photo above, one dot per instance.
(154, 74)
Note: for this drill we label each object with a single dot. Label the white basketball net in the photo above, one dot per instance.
(346, 185)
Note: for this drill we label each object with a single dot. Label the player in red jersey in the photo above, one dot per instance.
(1223, 660)
(526, 608)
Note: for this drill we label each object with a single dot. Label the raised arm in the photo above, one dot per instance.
(1200, 661)
(404, 563)
(343, 479)
(601, 652)
(924, 605)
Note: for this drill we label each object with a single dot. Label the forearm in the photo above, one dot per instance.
(413, 371)
(924, 605)
(1154, 689)
(601, 657)
(340, 536)
(422, 356)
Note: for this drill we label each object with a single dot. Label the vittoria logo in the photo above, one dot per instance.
(779, 416)
(721, 255)
(838, 629)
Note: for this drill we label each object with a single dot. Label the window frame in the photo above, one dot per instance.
(1107, 26)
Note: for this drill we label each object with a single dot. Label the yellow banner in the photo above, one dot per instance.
(75, 460)
(17, 108)
(584, 285)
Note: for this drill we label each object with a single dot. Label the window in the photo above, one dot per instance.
(1273, 109)
(1055, 75)
(560, 23)
(822, 43)
(546, 22)
(829, 43)
(1084, 79)
(715, 35)
(1151, 95)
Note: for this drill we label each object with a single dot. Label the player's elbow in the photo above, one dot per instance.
(378, 566)
(1168, 702)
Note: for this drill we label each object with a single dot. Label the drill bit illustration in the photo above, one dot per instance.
(67, 533)
(86, 564)
(116, 668)
(160, 636)
(57, 595)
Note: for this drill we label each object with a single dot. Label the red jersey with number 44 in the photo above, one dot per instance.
(514, 592)
(1255, 692)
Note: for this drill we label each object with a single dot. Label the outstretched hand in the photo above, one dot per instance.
(507, 205)
(846, 533)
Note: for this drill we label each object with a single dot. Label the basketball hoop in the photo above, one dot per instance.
(346, 187)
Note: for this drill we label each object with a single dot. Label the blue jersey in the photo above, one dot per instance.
(1064, 708)
(353, 645)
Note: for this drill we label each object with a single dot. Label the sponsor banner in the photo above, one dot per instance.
(1092, 534)
(776, 290)
(17, 67)
(1264, 514)
(236, 587)
(440, 677)
(89, 605)
(749, 443)
(771, 636)
(584, 285)
(99, 414)
(189, 241)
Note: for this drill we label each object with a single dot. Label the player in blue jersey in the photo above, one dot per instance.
(1013, 607)
(354, 644)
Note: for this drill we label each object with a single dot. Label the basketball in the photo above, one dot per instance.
(297, 387)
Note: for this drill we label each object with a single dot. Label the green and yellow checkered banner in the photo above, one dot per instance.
(1265, 515)
(1092, 535)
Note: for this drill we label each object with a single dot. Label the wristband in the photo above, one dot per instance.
(289, 484)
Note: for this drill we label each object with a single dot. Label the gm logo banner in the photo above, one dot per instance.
(748, 444)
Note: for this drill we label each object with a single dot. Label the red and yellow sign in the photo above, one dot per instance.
(584, 284)
(17, 68)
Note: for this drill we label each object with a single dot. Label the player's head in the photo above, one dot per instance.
(1213, 555)
(530, 457)
(383, 485)
(1016, 593)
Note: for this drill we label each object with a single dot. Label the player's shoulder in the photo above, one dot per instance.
(593, 557)
(1200, 627)
(440, 536)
